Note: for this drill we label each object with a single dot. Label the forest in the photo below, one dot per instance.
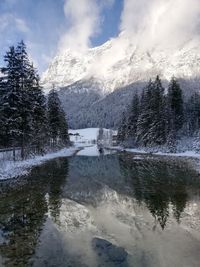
(160, 117)
(29, 119)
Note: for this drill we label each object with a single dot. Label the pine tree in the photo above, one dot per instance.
(58, 128)
(39, 116)
(3, 135)
(193, 114)
(64, 128)
(23, 109)
(25, 76)
(122, 130)
(176, 104)
(156, 135)
(133, 118)
(145, 117)
(11, 99)
(170, 131)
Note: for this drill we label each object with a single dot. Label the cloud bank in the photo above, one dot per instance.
(84, 18)
(161, 22)
(146, 23)
(151, 25)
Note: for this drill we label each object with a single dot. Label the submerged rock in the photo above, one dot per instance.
(109, 254)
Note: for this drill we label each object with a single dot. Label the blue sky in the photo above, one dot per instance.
(42, 23)
(51, 25)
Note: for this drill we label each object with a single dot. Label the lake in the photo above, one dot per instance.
(111, 209)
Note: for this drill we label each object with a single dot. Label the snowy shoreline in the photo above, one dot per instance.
(11, 169)
(186, 154)
(190, 156)
(83, 141)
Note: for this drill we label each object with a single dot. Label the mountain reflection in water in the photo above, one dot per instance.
(109, 210)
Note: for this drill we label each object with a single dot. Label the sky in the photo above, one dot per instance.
(49, 26)
(46, 25)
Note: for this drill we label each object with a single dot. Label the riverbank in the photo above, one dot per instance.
(186, 154)
(11, 169)
(190, 157)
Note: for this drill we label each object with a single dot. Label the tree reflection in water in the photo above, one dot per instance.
(160, 185)
(91, 185)
(23, 210)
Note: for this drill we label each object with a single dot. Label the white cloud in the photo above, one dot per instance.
(21, 25)
(147, 23)
(161, 22)
(85, 21)
(9, 21)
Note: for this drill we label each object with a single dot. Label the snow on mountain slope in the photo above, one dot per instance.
(118, 63)
(87, 82)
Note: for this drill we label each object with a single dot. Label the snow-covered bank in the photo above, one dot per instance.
(93, 151)
(90, 135)
(88, 140)
(186, 154)
(11, 169)
(87, 135)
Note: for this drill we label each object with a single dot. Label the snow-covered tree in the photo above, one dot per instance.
(122, 130)
(156, 117)
(145, 117)
(192, 111)
(133, 118)
(39, 116)
(156, 132)
(3, 135)
(58, 129)
(22, 109)
(176, 103)
(11, 98)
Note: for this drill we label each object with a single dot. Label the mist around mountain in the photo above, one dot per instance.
(96, 85)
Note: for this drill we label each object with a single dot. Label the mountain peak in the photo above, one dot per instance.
(119, 62)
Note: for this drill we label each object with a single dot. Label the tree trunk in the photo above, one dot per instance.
(14, 154)
(22, 148)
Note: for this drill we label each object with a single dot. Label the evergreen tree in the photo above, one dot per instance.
(64, 128)
(11, 99)
(39, 117)
(22, 103)
(193, 114)
(58, 128)
(121, 135)
(176, 104)
(158, 113)
(133, 118)
(3, 136)
(145, 117)
(25, 82)
(158, 117)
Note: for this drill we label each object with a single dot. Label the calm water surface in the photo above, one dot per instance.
(107, 210)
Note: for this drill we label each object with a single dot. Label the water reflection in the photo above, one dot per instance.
(161, 185)
(110, 210)
(23, 210)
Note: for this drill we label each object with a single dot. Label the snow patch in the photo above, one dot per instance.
(87, 135)
(89, 151)
(186, 154)
(93, 151)
(11, 169)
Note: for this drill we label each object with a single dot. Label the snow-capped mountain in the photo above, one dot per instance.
(96, 86)
(118, 63)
